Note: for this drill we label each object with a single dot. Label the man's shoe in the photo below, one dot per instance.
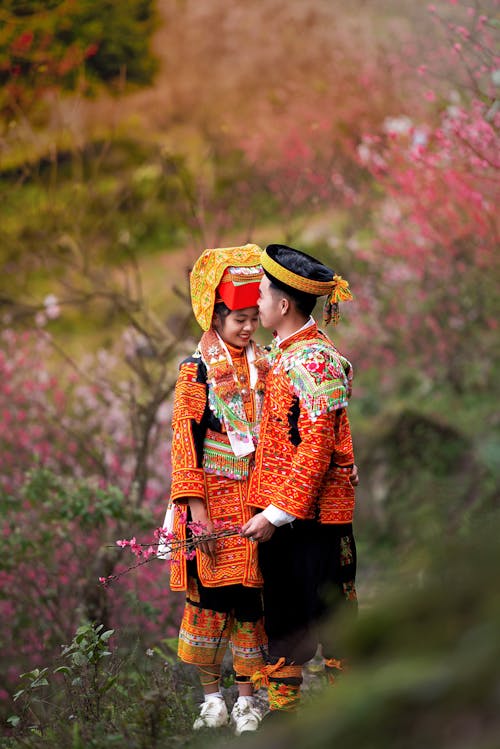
(213, 714)
(245, 716)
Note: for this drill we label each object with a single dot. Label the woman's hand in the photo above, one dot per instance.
(199, 515)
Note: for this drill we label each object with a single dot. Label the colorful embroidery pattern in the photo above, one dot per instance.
(218, 477)
(316, 375)
(208, 272)
(219, 459)
(187, 478)
(229, 382)
(309, 479)
(190, 395)
(205, 634)
(346, 555)
(237, 557)
(283, 696)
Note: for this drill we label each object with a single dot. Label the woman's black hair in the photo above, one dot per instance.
(222, 310)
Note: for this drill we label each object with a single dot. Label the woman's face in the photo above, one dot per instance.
(238, 326)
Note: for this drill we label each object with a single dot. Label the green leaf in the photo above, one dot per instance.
(62, 670)
(79, 659)
(108, 684)
(39, 683)
(106, 635)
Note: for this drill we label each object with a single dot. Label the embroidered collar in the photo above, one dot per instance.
(224, 396)
(283, 342)
(305, 333)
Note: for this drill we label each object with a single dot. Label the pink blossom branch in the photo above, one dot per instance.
(171, 543)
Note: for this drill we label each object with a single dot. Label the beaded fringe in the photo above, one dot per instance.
(220, 460)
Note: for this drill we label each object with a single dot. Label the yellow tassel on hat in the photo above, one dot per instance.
(340, 291)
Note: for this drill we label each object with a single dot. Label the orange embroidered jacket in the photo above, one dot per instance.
(200, 452)
(305, 453)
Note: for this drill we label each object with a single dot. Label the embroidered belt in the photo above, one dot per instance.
(219, 459)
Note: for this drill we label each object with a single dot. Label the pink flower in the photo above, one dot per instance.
(314, 366)
(197, 529)
(135, 548)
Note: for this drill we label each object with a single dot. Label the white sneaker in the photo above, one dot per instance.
(213, 714)
(245, 716)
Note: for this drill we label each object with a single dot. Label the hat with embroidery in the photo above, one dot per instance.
(301, 275)
(225, 274)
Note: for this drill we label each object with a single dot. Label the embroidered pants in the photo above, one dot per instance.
(217, 617)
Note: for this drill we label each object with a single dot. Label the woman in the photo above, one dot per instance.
(217, 404)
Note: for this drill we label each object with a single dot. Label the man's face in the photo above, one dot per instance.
(269, 305)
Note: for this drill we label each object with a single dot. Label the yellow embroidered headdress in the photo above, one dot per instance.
(228, 274)
(296, 270)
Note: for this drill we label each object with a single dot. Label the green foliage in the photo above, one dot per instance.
(88, 647)
(114, 204)
(68, 45)
(58, 537)
(98, 699)
(424, 662)
(424, 472)
(122, 39)
(62, 500)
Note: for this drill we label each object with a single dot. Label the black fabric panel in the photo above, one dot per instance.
(304, 571)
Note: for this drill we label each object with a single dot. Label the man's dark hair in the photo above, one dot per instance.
(303, 265)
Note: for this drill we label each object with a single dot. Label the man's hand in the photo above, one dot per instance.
(354, 478)
(199, 515)
(258, 528)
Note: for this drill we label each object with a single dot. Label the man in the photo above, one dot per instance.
(303, 478)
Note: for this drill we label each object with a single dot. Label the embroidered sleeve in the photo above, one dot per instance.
(344, 454)
(349, 373)
(189, 405)
(319, 381)
(190, 396)
(302, 481)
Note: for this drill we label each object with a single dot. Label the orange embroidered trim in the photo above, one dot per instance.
(190, 396)
(334, 663)
(284, 697)
(204, 637)
(337, 288)
(275, 670)
(331, 666)
(318, 288)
